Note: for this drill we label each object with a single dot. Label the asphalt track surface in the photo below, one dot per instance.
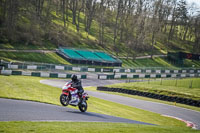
(164, 109)
(18, 110)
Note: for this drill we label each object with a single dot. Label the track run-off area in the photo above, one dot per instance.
(19, 110)
(186, 115)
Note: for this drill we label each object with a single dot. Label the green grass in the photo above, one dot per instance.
(33, 57)
(157, 62)
(55, 59)
(29, 88)
(148, 99)
(86, 127)
(179, 87)
(20, 46)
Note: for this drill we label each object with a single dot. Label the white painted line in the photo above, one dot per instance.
(167, 71)
(129, 75)
(116, 70)
(44, 74)
(175, 71)
(184, 71)
(153, 75)
(117, 76)
(91, 69)
(174, 75)
(148, 71)
(6, 72)
(59, 67)
(14, 66)
(61, 75)
(191, 75)
(183, 75)
(26, 73)
(32, 67)
(158, 71)
(103, 77)
(141, 75)
(76, 68)
(127, 70)
(138, 71)
(163, 75)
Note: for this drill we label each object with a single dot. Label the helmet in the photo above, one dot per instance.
(74, 77)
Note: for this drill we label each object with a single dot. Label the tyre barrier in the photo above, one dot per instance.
(181, 100)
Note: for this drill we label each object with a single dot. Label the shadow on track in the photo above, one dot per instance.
(87, 114)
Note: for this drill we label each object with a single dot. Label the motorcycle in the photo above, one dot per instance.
(70, 96)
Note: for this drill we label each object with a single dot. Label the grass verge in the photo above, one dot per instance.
(149, 99)
(186, 88)
(86, 127)
(29, 88)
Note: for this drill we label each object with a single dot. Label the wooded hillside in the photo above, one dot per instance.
(127, 27)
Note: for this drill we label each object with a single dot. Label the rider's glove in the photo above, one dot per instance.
(73, 85)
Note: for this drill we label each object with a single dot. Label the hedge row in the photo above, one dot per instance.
(152, 95)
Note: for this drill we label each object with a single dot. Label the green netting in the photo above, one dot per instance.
(71, 53)
(105, 56)
(88, 55)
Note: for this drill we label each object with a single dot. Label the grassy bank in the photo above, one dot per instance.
(55, 59)
(186, 88)
(158, 62)
(33, 57)
(21, 87)
(94, 127)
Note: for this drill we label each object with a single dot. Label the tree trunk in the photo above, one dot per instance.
(89, 14)
(63, 7)
(101, 25)
(152, 44)
(74, 9)
(186, 31)
(67, 8)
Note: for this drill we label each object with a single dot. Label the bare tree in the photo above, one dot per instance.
(196, 46)
(120, 9)
(39, 7)
(64, 11)
(90, 10)
(73, 7)
(101, 18)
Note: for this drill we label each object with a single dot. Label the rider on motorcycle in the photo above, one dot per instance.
(76, 83)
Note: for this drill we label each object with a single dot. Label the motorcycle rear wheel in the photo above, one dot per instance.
(83, 106)
(64, 99)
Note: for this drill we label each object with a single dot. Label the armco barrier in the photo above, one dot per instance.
(130, 76)
(152, 95)
(41, 67)
(40, 74)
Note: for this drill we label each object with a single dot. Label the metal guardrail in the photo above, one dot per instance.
(61, 67)
(41, 74)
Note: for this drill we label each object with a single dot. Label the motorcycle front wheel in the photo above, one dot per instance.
(64, 99)
(83, 106)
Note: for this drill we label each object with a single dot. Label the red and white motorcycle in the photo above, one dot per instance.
(70, 96)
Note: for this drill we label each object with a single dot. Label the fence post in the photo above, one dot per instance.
(176, 82)
(161, 81)
(191, 84)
